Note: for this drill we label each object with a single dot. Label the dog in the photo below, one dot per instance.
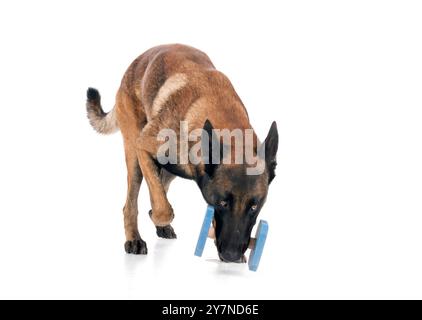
(162, 88)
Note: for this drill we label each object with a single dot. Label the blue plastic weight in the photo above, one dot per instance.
(203, 235)
(256, 252)
(257, 244)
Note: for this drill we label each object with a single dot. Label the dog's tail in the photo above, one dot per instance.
(105, 123)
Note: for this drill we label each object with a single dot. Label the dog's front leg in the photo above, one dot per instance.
(162, 212)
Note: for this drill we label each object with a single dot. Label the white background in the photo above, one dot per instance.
(343, 80)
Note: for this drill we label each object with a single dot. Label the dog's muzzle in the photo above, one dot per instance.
(232, 257)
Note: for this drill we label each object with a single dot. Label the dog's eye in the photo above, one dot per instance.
(254, 207)
(223, 204)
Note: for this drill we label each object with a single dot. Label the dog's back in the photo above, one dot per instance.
(171, 83)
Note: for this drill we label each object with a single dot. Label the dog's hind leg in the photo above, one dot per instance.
(134, 243)
(131, 119)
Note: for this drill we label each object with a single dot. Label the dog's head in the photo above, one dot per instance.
(237, 195)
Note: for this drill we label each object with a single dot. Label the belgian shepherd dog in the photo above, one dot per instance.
(168, 86)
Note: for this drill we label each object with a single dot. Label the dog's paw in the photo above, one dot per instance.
(166, 232)
(137, 246)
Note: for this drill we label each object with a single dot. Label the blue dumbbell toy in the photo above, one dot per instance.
(256, 245)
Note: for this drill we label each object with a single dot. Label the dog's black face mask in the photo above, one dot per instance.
(237, 198)
(235, 215)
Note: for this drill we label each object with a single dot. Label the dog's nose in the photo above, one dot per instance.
(231, 256)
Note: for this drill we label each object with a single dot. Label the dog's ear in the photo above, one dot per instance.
(271, 146)
(209, 146)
